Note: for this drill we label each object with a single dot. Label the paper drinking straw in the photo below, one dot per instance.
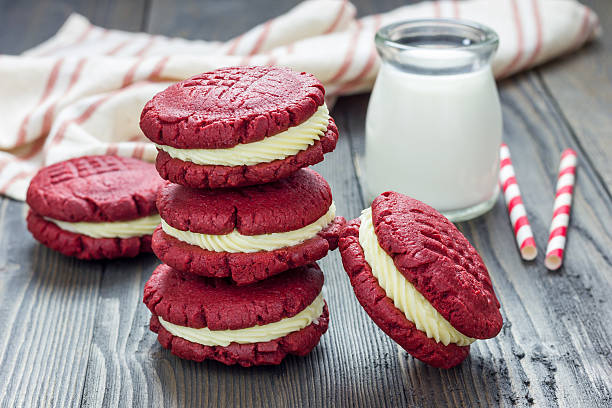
(561, 210)
(516, 209)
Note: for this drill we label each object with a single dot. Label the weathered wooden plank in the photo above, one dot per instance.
(559, 304)
(30, 22)
(48, 302)
(554, 347)
(538, 127)
(114, 373)
(48, 306)
(212, 20)
(580, 85)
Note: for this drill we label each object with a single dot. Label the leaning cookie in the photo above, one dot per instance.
(247, 234)
(95, 207)
(239, 126)
(419, 279)
(198, 318)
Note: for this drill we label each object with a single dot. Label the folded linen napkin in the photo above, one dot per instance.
(81, 91)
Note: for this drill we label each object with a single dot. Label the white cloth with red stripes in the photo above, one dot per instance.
(81, 91)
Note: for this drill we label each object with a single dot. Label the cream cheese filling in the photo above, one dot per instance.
(405, 296)
(117, 229)
(236, 242)
(255, 334)
(279, 146)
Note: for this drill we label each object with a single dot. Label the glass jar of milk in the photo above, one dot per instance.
(434, 124)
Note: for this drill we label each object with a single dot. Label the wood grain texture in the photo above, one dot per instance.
(48, 305)
(575, 82)
(48, 302)
(212, 20)
(551, 340)
(76, 333)
(26, 23)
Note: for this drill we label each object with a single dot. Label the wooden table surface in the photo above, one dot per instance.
(76, 333)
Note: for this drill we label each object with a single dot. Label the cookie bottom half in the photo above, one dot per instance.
(272, 352)
(82, 246)
(244, 268)
(211, 176)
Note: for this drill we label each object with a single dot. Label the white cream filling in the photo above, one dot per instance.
(405, 296)
(255, 334)
(117, 229)
(279, 146)
(236, 242)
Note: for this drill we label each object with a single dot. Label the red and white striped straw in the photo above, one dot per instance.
(516, 209)
(561, 210)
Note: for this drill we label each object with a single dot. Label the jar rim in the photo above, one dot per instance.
(487, 37)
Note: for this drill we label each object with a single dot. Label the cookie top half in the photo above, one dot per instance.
(95, 189)
(192, 301)
(223, 108)
(285, 205)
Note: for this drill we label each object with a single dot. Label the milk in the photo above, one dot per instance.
(434, 137)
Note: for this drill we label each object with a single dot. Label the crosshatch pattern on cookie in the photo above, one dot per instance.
(86, 167)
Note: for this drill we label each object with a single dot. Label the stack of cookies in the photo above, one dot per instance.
(242, 220)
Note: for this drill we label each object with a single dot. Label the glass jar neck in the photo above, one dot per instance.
(437, 46)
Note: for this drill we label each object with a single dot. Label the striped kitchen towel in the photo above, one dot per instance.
(81, 91)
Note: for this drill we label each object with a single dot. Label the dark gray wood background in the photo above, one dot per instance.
(76, 333)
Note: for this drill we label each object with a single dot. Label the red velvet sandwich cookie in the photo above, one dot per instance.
(198, 318)
(419, 279)
(95, 207)
(247, 234)
(239, 126)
